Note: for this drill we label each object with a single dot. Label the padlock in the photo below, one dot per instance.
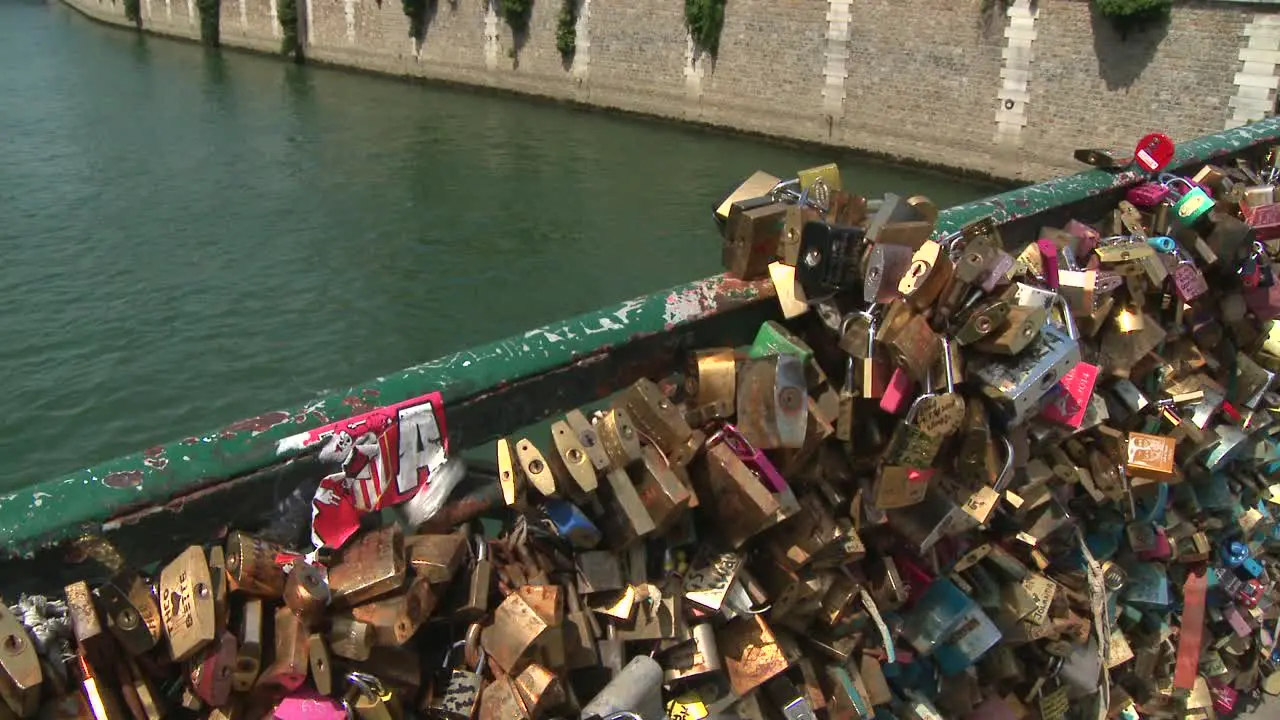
(289, 667)
(349, 638)
(874, 371)
(132, 611)
(772, 411)
(524, 620)
(752, 234)
(882, 270)
(20, 672)
(628, 520)
(186, 603)
(252, 566)
(618, 438)
(479, 584)
(372, 564)
(1150, 457)
(137, 688)
(320, 663)
(1016, 386)
(460, 695)
(637, 690)
(796, 542)
(306, 593)
(91, 637)
(911, 343)
(694, 658)
(395, 617)
(212, 670)
(828, 258)
(711, 386)
(751, 651)
(534, 468)
(248, 646)
(368, 698)
(660, 420)
(436, 558)
(930, 272)
(571, 461)
(664, 496)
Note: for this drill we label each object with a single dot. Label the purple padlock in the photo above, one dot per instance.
(1147, 194)
(753, 458)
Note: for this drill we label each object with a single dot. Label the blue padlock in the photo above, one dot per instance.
(1251, 567)
(571, 524)
(1162, 243)
(1235, 553)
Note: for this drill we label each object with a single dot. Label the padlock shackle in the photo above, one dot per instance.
(1006, 472)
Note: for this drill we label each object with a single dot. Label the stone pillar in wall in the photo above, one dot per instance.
(1015, 74)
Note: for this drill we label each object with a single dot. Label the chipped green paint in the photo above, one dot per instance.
(489, 389)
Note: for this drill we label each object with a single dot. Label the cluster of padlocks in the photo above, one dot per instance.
(957, 481)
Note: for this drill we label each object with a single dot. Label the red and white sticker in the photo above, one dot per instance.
(1154, 152)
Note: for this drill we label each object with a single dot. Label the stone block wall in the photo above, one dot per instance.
(1003, 87)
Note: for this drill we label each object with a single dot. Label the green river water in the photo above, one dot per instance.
(189, 238)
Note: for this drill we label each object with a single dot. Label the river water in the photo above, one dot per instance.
(189, 238)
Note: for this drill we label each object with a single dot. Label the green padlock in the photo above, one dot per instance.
(1194, 204)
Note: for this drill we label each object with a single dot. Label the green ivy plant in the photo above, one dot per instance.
(287, 16)
(1129, 15)
(705, 19)
(516, 13)
(133, 12)
(567, 29)
(210, 13)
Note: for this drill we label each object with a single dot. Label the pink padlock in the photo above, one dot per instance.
(753, 458)
(1087, 236)
(898, 393)
(308, 704)
(1224, 696)
(1160, 549)
(1049, 261)
(1147, 194)
(1075, 390)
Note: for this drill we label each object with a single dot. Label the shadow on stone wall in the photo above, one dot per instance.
(1122, 56)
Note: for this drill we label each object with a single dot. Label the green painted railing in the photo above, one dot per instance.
(191, 486)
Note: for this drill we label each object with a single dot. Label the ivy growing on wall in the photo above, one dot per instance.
(516, 13)
(133, 12)
(567, 29)
(1130, 15)
(287, 15)
(210, 11)
(705, 19)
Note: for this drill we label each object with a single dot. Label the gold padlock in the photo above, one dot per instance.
(373, 564)
(20, 673)
(132, 610)
(752, 654)
(523, 620)
(288, 670)
(249, 647)
(664, 496)
(436, 558)
(349, 638)
(186, 603)
(740, 503)
(395, 618)
(251, 564)
(655, 415)
(618, 437)
(535, 468)
(572, 461)
(540, 690)
(306, 593)
(510, 476)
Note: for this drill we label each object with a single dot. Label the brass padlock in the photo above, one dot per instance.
(930, 272)
(91, 637)
(372, 564)
(394, 618)
(479, 585)
(655, 416)
(664, 495)
(249, 647)
(320, 663)
(436, 558)
(740, 503)
(20, 673)
(699, 656)
(524, 620)
(540, 690)
(535, 469)
(1022, 325)
(349, 638)
(589, 439)
(598, 571)
(752, 654)
(186, 603)
(911, 343)
(251, 564)
(571, 461)
(580, 633)
(752, 235)
(628, 519)
(218, 580)
(759, 184)
(288, 670)
(306, 593)
(510, 476)
(501, 700)
(618, 437)
(711, 385)
(132, 611)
